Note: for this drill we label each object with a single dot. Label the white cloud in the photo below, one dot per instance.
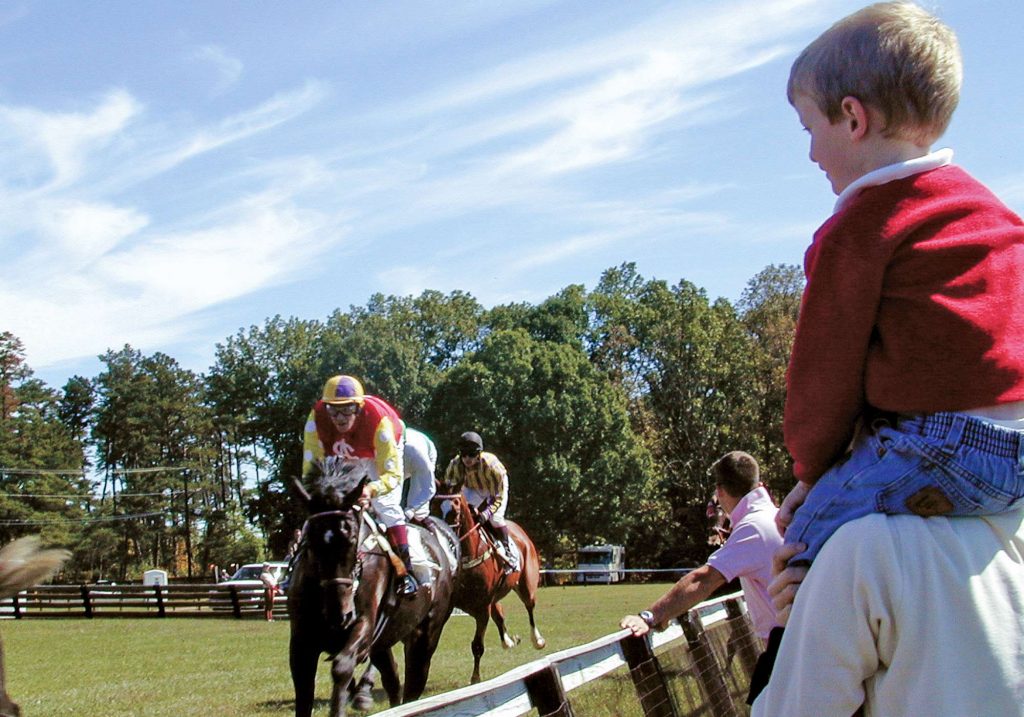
(67, 139)
(227, 69)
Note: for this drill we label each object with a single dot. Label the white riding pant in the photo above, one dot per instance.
(477, 497)
(420, 460)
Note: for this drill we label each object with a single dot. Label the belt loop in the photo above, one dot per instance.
(955, 432)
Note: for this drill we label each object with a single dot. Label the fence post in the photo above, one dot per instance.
(159, 600)
(17, 607)
(86, 600)
(742, 636)
(235, 604)
(709, 673)
(648, 679)
(547, 693)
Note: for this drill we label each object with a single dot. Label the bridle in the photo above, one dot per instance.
(327, 582)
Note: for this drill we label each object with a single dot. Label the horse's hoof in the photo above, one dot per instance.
(362, 703)
(540, 644)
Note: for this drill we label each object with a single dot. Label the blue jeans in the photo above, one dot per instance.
(934, 464)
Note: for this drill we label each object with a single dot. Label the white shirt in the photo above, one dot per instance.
(909, 616)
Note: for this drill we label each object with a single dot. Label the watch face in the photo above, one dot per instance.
(648, 617)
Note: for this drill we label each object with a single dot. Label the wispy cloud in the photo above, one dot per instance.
(227, 69)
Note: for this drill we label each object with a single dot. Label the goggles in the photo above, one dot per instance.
(469, 452)
(345, 409)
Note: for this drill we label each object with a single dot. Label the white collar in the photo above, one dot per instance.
(756, 499)
(892, 172)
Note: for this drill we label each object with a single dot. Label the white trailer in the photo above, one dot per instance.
(600, 564)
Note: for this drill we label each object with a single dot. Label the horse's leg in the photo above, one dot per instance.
(343, 668)
(526, 589)
(302, 658)
(384, 661)
(361, 694)
(498, 615)
(419, 651)
(478, 642)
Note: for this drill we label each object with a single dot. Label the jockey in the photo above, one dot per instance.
(420, 459)
(347, 423)
(484, 483)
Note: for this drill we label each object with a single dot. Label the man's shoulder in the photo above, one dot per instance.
(492, 461)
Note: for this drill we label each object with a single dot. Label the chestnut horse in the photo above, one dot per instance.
(482, 581)
(342, 601)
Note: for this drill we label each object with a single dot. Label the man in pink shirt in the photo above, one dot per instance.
(747, 555)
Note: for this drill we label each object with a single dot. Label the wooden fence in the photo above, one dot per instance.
(136, 601)
(700, 666)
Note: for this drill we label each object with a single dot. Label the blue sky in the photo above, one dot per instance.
(176, 171)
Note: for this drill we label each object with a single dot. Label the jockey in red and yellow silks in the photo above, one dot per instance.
(347, 423)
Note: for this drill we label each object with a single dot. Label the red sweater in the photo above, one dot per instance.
(914, 304)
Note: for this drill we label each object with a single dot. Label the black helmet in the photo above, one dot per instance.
(470, 443)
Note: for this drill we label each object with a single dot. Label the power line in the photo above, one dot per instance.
(167, 494)
(68, 521)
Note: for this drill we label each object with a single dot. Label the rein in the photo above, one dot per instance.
(467, 563)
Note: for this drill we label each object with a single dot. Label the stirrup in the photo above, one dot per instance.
(407, 586)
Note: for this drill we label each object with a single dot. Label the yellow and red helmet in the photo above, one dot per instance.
(340, 390)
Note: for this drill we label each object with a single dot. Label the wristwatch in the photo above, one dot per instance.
(648, 617)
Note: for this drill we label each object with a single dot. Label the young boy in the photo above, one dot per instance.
(911, 333)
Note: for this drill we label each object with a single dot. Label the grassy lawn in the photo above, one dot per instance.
(231, 668)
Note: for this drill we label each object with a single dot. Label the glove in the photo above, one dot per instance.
(485, 515)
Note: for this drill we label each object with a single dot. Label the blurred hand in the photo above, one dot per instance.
(636, 624)
(784, 585)
(794, 500)
(366, 496)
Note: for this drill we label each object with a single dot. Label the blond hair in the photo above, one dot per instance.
(893, 56)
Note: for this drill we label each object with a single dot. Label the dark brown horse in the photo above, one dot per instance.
(342, 601)
(482, 579)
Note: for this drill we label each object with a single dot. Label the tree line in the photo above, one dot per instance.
(606, 406)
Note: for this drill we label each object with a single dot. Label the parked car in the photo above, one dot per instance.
(247, 584)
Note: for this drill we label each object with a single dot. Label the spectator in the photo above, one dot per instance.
(269, 591)
(747, 554)
(904, 616)
(911, 324)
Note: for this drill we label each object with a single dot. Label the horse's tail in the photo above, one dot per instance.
(23, 564)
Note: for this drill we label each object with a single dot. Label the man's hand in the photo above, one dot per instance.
(366, 496)
(787, 580)
(636, 624)
(794, 500)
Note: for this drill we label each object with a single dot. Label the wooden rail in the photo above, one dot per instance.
(545, 685)
(135, 601)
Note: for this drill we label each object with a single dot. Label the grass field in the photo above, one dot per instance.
(232, 668)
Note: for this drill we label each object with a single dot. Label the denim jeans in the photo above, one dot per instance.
(935, 464)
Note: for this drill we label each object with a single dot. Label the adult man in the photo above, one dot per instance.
(747, 554)
(484, 483)
(904, 615)
(347, 423)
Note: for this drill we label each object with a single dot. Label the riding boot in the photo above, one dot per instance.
(511, 564)
(406, 585)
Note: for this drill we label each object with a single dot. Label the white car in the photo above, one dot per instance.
(248, 586)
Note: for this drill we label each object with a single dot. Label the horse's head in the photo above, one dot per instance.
(331, 535)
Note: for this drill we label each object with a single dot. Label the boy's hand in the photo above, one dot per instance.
(787, 580)
(794, 500)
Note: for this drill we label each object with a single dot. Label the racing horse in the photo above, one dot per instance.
(342, 600)
(482, 581)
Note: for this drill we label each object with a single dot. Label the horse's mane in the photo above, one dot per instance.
(337, 479)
